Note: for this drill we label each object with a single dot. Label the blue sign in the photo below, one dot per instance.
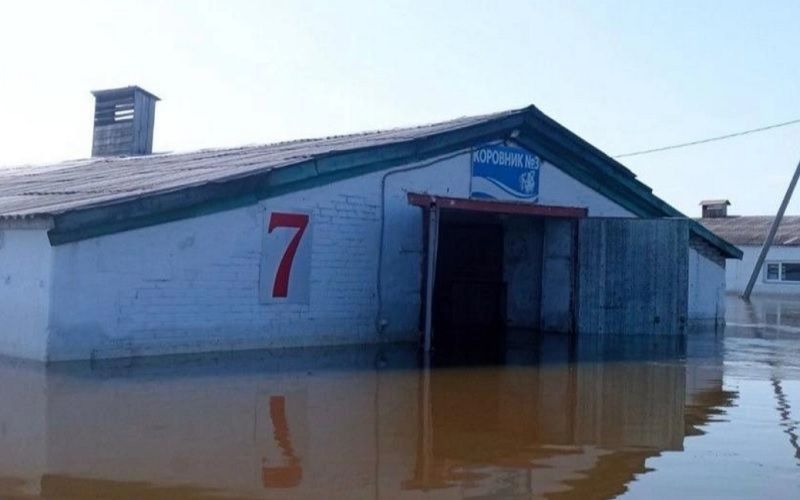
(503, 173)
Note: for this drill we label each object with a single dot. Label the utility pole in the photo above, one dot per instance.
(771, 235)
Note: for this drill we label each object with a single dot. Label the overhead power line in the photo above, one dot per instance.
(710, 139)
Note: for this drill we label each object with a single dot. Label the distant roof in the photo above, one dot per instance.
(95, 196)
(751, 230)
(714, 202)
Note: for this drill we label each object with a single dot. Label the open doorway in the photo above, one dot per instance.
(469, 304)
(503, 271)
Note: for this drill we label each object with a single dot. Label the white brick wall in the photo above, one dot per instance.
(192, 285)
(25, 265)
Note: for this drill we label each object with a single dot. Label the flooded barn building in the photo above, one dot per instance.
(462, 229)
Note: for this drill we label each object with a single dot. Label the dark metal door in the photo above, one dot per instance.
(632, 276)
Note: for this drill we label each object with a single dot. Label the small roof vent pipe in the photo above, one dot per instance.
(123, 122)
(715, 209)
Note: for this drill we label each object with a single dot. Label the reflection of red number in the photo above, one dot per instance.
(281, 476)
(298, 221)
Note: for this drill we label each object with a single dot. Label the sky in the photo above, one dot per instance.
(623, 75)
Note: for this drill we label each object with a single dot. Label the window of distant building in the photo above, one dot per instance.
(779, 272)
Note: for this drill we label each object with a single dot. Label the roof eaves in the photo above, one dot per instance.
(20, 221)
(728, 249)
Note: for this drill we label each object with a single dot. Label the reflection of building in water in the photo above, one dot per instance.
(582, 430)
(289, 427)
(770, 314)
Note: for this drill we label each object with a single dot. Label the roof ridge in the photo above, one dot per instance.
(402, 127)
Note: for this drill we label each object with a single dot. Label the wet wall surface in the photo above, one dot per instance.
(712, 414)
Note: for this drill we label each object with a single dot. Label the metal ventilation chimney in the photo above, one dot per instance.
(123, 122)
(715, 209)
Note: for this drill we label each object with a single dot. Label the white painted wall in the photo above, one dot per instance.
(738, 271)
(558, 188)
(25, 270)
(706, 288)
(192, 285)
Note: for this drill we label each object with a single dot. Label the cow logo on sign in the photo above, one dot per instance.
(285, 275)
(505, 173)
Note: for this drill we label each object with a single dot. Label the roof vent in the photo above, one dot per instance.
(123, 122)
(715, 209)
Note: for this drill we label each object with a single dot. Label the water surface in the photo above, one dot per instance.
(714, 414)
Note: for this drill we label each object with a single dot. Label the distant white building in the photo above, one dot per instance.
(781, 271)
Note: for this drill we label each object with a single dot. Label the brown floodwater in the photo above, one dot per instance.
(713, 414)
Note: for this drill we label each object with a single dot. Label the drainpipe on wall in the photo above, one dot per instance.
(433, 249)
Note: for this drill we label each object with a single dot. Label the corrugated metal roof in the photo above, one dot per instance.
(31, 191)
(751, 230)
(97, 196)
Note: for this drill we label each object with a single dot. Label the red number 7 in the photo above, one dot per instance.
(298, 221)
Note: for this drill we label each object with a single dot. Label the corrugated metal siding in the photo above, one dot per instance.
(632, 276)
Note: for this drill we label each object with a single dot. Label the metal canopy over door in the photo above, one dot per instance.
(633, 276)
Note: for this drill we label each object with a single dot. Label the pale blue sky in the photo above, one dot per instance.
(623, 75)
